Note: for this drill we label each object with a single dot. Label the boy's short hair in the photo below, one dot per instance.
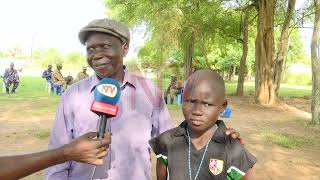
(213, 77)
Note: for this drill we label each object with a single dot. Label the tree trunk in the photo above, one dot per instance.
(315, 58)
(204, 53)
(265, 92)
(283, 46)
(243, 61)
(188, 56)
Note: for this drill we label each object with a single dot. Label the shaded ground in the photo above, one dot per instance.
(27, 131)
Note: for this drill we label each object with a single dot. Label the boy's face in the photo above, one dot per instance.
(203, 103)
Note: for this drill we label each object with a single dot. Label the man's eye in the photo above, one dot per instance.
(106, 46)
(90, 49)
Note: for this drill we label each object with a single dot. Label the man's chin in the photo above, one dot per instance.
(103, 74)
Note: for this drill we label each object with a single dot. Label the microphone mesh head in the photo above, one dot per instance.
(107, 91)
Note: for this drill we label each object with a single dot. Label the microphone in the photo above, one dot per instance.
(106, 96)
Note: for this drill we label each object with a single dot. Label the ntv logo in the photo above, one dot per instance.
(109, 90)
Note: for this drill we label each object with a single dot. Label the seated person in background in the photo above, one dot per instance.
(198, 148)
(174, 89)
(11, 77)
(82, 75)
(47, 74)
(58, 80)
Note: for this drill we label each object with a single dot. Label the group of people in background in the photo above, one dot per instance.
(58, 82)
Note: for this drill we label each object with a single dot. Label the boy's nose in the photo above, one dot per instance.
(197, 109)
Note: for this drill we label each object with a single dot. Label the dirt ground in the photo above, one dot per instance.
(251, 120)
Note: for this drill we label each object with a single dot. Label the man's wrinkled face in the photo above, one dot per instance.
(59, 67)
(11, 66)
(105, 54)
(49, 67)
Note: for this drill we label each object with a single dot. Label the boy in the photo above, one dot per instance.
(198, 148)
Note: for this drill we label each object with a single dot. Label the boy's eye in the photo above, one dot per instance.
(207, 104)
(189, 101)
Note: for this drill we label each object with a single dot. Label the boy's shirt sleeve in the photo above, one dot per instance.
(159, 147)
(241, 160)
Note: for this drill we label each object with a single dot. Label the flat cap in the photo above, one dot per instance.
(107, 26)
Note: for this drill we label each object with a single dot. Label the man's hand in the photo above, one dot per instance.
(86, 149)
(233, 134)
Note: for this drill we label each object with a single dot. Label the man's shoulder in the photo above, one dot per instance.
(140, 78)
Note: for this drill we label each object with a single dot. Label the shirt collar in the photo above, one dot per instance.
(128, 79)
(219, 134)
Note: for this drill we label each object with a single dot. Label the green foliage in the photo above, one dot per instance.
(286, 140)
(51, 56)
(2, 54)
(73, 60)
(172, 23)
(296, 78)
(296, 53)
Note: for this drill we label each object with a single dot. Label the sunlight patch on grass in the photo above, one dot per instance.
(289, 141)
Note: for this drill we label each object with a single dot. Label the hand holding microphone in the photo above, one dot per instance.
(86, 149)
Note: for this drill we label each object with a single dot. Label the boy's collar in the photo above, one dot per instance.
(219, 134)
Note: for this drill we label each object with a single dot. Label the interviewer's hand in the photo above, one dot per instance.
(86, 149)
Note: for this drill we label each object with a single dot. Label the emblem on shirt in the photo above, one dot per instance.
(215, 166)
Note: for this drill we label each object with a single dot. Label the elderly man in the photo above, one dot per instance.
(11, 77)
(142, 111)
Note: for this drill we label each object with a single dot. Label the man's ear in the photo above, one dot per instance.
(125, 48)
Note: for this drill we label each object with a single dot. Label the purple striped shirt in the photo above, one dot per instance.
(142, 115)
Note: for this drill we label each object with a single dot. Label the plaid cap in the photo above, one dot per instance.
(108, 26)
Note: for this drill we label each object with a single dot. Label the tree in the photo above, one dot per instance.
(315, 57)
(245, 48)
(264, 87)
(283, 46)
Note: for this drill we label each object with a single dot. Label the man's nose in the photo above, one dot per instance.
(97, 56)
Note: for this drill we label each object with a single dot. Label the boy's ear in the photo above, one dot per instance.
(224, 105)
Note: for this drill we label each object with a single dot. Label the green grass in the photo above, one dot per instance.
(289, 141)
(286, 91)
(30, 99)
(39, 133)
